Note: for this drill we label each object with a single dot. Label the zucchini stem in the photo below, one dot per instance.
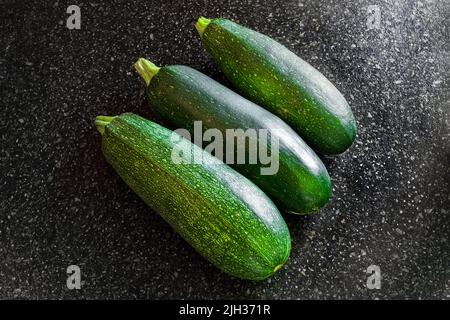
(101, 122)
(146, 69)
(201, 25)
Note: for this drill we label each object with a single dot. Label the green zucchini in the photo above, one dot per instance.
(180, 95)
(224, 216)
(277, 79)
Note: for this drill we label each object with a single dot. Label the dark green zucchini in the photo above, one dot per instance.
(224, 216)
(180, 95)
(275, 78)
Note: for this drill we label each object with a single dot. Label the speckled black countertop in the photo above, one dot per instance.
(62, 204)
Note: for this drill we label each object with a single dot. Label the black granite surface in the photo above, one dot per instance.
(62, 204)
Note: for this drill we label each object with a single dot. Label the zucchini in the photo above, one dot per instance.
(180, 95)
(224, 216)
(275, 78)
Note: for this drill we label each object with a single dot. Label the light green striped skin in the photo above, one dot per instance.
(272, 76)
(224, 216)
(181, 95)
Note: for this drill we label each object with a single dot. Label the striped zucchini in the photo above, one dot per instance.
(275, 78)
(224, 216)
(180, 95)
